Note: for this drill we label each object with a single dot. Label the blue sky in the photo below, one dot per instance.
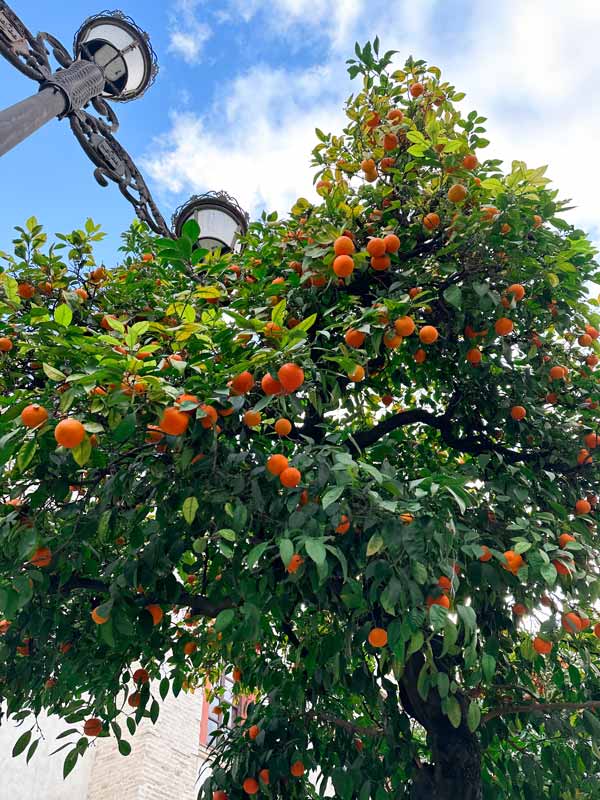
(243, 83)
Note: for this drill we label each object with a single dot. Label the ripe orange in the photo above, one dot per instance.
(25, 291)
(404, 326)
(378, 637)
(291, 377)
(276, 464)
(561, 567)
(518, 413)
(98, 618)
(391, 340)
(513, 561)
(242, 383)
(367, 165)
(489, 212)
(343, 266)
(519, 609)
(271, 386)
(487, 553)
(141, 676)
(571, 623)
(295, 563)
(420, 356)
(444, 583)
(237, 674)
(541, 646)
(283, 427)
(592, 440)
(582, 507)
(5, 344)
(585, 340)
(264, 776)
(517, 291)
(253, 732)
(416, 89)
(503, 326)
(457, 193)
(387, 399)
(354, 338)
(390, 142)
(344, 525)
(297, 769)
(69, 433)
(470, 161)
(392, 243)
(186, 398)
(34, 415)
(431, 221)
(104, 323)
(428, 334)
(41, 558)
(564, 539)
(584, 457)
(155, 612)
(290, 477)
(92, 727)
(376, 248)
(173, 421)
(537, 221)
(252, 418)
(591, 331)
(557, 373)
(212, 415)
(381, 263)
(395, 115)
(357, 375)
(343, 246)
(474, 356)
(189, 648)
(442, 600)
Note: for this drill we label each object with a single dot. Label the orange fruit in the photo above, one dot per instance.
(297, 769)
(442, 600)
(503, 326)
(487, 553)
(420, 356)
(209, 421)
(173, 421)
(242, 383)
(92, 727)
(537, 221)
(295, 563)
(597, 630)
(391, 340)
(186, 398)
(557, 373)
(252, 418)
(343, 246)
(395, 115)
(392, 243)
(271, 386)
(564, 539)
(390, 142)
(489, 212)
(404, 326)
(387, 399)
(474, 356)
(571, 623)
(357, 375)
(584, 457)
(290, 477)
(141, 676)
(592, 440)
(376, 248)
(41, 558)
(25, 291)
(276, 464)
(519, 609)
(237, 675)
(518, 413)
(470, 161)
(98, 618)
(189, 648)
(291, 377)
(34, 415)
(517, 291)
(378, 637)
(283, 427)
(444, 583)
(561, 567)
(381, 263)
(264, 776)
(343, 266)
(253, 732)
(541, 646)
(134, 700)
(344, 525)
(354, 338)
(513, 561)
(585, 340)
(582, 507)
(367, 165)
(431, 221)
(155, 612)
(428, 334)
(416, 89)
(591, 331)
(5, 344)
(69, 433)
(457, 193)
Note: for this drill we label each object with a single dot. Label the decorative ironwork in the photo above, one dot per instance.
(221, 197)
(82, 82)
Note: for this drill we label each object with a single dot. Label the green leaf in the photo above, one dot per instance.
(286, 551)
(63, 315)
(228, 534)
(32, 750)
(163, 688)
(453, 711)
(124, 747)
(453, 296)
(53, 374)
(331, 495)
(469, 619)
(190, 509)
(488, 665)
(443, 684)
(255, 554)
(473, 716)
(549, 573)
(21, 743)
(375, 544)
(438, 617)
(191, 230)
(224, 619)
(591, 724)
(26, 454)
(70, 761)
(316, 550)
(82, 452)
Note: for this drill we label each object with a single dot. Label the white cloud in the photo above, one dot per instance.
(187, 34)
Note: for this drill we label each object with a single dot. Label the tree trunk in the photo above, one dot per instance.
(455, 771)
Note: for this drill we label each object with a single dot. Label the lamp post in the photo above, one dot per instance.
(113, 60)
(221, 219)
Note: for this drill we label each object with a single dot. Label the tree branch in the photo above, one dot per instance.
(345, 724)
(538, 708)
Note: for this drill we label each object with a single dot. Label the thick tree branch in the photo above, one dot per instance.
(538, 708)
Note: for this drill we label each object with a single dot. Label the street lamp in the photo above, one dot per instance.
(221, 219)
(113, 60)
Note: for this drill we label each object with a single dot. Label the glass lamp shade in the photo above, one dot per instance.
(122, 50)
(220, 218)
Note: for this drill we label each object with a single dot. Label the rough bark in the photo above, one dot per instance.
(455, 769)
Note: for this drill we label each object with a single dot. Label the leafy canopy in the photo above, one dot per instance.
(366, 596)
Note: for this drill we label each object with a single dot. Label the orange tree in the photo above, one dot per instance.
(354, 465)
